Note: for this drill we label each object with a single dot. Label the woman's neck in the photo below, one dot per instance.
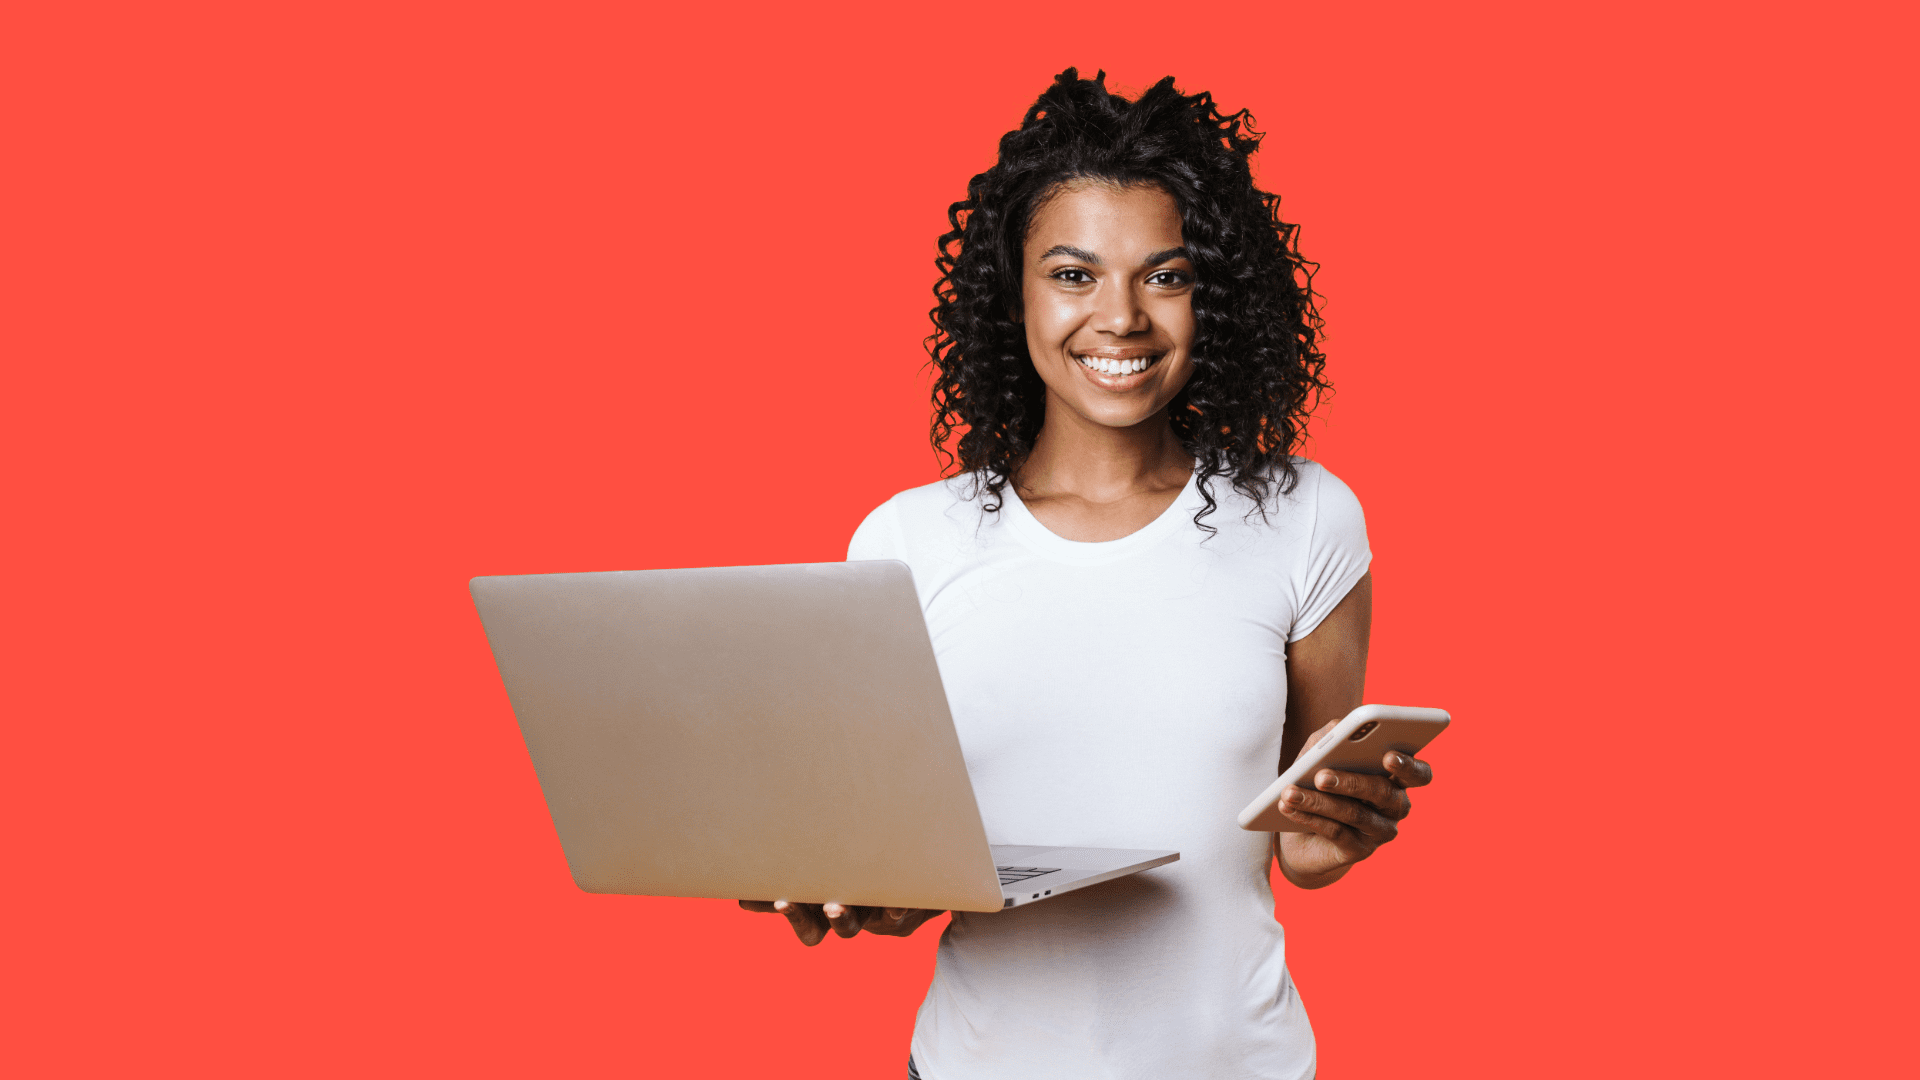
(1086, 481)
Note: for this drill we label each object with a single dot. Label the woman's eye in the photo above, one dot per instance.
(1168, 278)
(1072, 276)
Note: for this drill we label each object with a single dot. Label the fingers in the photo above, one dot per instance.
(1352, 847)
(1348, 813)
(1372, 827)
(1408, 770)
(809, 924)
(845, 920)
(898, 922)
(1326, 827)
(1386, 795)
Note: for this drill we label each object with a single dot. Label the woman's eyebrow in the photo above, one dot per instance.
(1084, 255)
(1071, 252)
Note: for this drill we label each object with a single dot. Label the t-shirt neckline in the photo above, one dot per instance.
(1044, 541)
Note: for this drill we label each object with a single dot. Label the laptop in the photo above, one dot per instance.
(759, 733)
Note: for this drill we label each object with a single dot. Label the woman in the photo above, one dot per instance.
(1129, 584)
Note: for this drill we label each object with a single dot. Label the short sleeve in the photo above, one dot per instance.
(878, 537)
(1337, 554)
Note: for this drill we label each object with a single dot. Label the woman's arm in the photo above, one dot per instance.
(1327, 669)
(1350, 814)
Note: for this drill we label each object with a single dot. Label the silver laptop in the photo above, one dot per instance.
(758, 733)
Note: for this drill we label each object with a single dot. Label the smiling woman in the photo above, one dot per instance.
(1125, 344)
(1106, 298)
(1254, 368)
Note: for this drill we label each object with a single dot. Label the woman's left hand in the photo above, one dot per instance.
(1350, 815)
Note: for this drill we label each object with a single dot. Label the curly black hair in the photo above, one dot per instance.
(1257, 369)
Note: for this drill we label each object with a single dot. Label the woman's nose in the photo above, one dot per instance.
(1118, 310)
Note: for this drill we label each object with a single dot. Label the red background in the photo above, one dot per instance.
(314, 311)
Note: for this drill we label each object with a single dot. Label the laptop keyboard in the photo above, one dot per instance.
(1011, 874)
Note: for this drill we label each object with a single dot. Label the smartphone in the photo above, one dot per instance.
(1356, 744)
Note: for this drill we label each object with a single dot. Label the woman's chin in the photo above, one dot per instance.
(1122, 415)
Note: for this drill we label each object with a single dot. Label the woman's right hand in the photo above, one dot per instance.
(811, 922)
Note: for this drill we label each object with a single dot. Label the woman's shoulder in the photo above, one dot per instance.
(1318, 486)
(1285, 528)
(1326, 506)
(1312, 490)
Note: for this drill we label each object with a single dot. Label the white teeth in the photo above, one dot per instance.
(1116, 367)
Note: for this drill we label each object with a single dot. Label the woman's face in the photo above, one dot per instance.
(1108, 298)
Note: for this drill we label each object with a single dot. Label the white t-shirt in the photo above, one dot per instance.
(1122, 694)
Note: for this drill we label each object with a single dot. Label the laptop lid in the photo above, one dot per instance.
(754, 732)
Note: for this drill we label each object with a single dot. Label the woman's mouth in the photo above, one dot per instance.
(1116, 368)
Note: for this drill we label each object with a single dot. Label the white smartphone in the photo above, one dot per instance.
(1356, 744)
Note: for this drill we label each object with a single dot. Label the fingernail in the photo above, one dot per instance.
(1292, 795)
(834, 911)
(1399, 760)
(1329, 781)
(780, 905)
